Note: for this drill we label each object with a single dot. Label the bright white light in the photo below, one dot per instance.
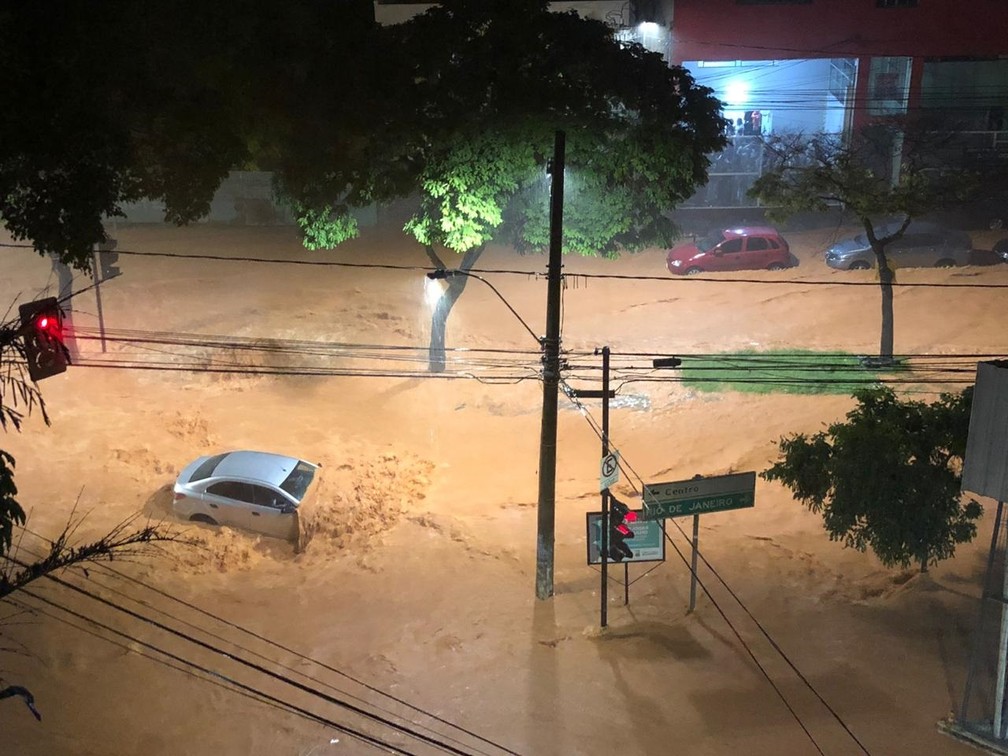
(647, 28)
(736, 93)
(432, 292)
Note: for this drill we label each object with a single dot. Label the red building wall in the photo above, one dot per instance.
(726, 30)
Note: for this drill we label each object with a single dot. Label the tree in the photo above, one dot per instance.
(888, 478)
(466, 117)
(153, 101)
(888, 169)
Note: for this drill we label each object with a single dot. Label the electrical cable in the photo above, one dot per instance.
(625, 465)
(164, 594)
(251, 665)
(704, 279)
(748, 649)
(777, 647)
(213, 679)
(302, 373)
(352, 732)
(535, 274)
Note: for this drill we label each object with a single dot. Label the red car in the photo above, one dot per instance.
(748, 248)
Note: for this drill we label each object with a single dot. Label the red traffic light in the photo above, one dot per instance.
(42, 338)
(49, 326)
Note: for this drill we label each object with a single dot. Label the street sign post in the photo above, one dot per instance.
(718, 493)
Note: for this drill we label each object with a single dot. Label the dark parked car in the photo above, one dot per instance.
(747, 248)
(923, 245)
(1001, 250)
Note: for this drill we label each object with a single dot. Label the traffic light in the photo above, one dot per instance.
(107, 259)
(619, 533)
(42, 337)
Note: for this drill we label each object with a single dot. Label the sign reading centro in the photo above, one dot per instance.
(718, 493)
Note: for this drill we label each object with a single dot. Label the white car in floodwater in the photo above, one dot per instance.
(252, 490)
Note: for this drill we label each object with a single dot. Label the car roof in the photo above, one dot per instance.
(751, 231)
(916, 226)
(254, 465)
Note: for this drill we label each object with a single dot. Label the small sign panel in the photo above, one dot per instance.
(647, 545)
(609, 471)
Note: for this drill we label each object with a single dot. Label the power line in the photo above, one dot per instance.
(813, 52)
(164, 594)
(623, 462)
(537, 274)
(793, 282)
(759, 368)
(213, 679)
(250, 690)
(429, 740)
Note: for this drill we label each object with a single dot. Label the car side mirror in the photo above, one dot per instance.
(287, 508)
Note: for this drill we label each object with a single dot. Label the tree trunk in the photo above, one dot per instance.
(886, 278)
(439, 318)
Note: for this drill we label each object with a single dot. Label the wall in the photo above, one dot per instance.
(245, 198)
(726, 30)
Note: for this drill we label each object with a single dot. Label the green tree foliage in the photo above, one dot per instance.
(888, 170)
(139, 100)
(462, 109)
(466, 117)
(888, 478)
(154, 101)
(11, 513)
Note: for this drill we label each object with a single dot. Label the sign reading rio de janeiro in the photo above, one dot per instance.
(718, 493)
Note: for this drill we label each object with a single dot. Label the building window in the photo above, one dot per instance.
(843, 72)
(895, 3)
(888, 86)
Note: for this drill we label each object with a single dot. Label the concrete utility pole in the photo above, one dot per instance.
(546, 520)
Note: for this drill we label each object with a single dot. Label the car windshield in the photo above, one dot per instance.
(298, 481)
(707, 243)
(206, 469)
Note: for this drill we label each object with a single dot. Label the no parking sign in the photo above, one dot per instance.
(609, 471)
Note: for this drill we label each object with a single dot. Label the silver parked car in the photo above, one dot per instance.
(923, 245)
(253, 490)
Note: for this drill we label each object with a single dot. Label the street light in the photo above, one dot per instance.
(550, 345)
(445, 273)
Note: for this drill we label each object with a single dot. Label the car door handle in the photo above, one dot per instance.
(212, 505)
(255, 514)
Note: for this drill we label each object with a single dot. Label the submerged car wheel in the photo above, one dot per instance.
(775, 266)
(205, 519)
(945, 263)
(694, 271)
(859, 265)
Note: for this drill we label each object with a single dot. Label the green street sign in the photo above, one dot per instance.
(680, 498)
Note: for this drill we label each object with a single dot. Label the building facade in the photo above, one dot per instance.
(833, 65)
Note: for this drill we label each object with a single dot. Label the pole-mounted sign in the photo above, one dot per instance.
(609, 471)
(700, 495)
